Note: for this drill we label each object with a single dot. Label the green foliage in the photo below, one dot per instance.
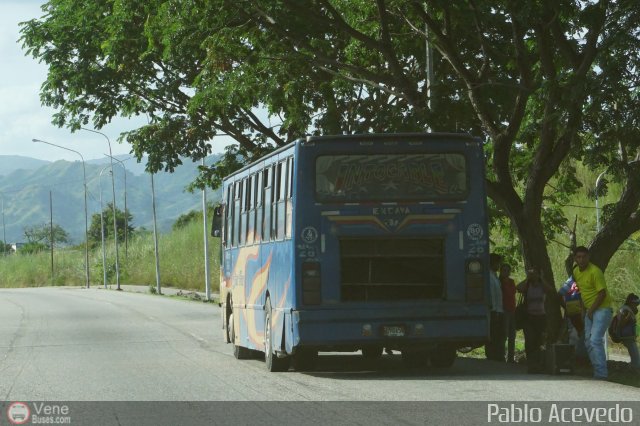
(192, 216)
(122, 220)
(44, 233)
(186, 218)
(4, 247)
(32, 247)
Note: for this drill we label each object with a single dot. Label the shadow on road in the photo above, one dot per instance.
(355, 367)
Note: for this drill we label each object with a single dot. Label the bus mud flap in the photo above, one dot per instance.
(278, 332)
(288, 333)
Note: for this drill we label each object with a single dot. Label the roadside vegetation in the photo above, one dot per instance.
(181, 254)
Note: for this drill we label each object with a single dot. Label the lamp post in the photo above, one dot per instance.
(104, 253)
(126, 219)
(4, 231)
(113, 192)
(207, 282)
(86, 218)
(155, 236)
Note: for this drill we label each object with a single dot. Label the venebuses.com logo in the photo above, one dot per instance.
(18, 413)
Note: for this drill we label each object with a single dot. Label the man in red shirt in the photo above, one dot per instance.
(509, 306)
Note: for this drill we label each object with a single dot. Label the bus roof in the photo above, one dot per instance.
(386, 136)
(462, 137)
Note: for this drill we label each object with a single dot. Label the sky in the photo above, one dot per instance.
(22, 118)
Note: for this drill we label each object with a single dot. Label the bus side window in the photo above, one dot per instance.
(275, 219)
(259, 188)
(274, 202)
(242, 212)
(266, 221)
(282, 195)
(289, 199)
(250, 209)
(216, 221)
(226, 228)
(236, 213)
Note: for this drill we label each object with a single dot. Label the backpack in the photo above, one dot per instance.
(614, 329)
(618, 333)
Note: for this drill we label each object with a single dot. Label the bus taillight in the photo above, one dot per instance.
(311, 283)
(475, 281)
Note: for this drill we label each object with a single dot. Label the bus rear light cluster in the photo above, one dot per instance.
(311, 283)
(475, 281)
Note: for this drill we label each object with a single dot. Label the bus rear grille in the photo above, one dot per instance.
(385, 269)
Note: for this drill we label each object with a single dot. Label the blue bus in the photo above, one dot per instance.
(358, 242)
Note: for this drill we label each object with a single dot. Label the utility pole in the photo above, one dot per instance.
(207, 282)
(51, 233)
(155, 236)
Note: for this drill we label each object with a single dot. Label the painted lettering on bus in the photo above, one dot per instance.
(391, 210)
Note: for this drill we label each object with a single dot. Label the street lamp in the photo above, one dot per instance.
(86, 218)
(113, 192)
(207, 282)
(155, 236)
(104, 253)
(126, 219)
(4, 231)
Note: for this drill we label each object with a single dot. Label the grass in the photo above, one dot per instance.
(181, 255)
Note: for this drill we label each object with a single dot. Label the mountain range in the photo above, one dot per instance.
(25, 184)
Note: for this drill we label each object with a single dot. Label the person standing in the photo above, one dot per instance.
(508, 287)
(534, 288)
(597, 303)
(493, 349)
(627, 327)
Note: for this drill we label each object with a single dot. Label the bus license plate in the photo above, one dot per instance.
(392, 331)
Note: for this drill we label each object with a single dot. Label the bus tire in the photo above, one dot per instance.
(372, 352)
(229, 325)
(239, 352)
(273, 363)
(444, 357)
(305, 359)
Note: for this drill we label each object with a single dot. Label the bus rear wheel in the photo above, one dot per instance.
(227, 313)
(272, 361)
(239, 352)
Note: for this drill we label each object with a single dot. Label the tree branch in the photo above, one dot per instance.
(448, 51)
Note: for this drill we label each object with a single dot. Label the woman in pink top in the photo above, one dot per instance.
(534, 288)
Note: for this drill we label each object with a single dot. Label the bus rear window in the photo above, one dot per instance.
(391, 177)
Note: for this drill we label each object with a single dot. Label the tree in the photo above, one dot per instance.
(4, 247)
(95, 233)
(543, 83)
(43, 234)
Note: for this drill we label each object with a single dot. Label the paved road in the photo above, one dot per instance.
(100, 345)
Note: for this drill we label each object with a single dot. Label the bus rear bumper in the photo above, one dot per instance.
(332, 330)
